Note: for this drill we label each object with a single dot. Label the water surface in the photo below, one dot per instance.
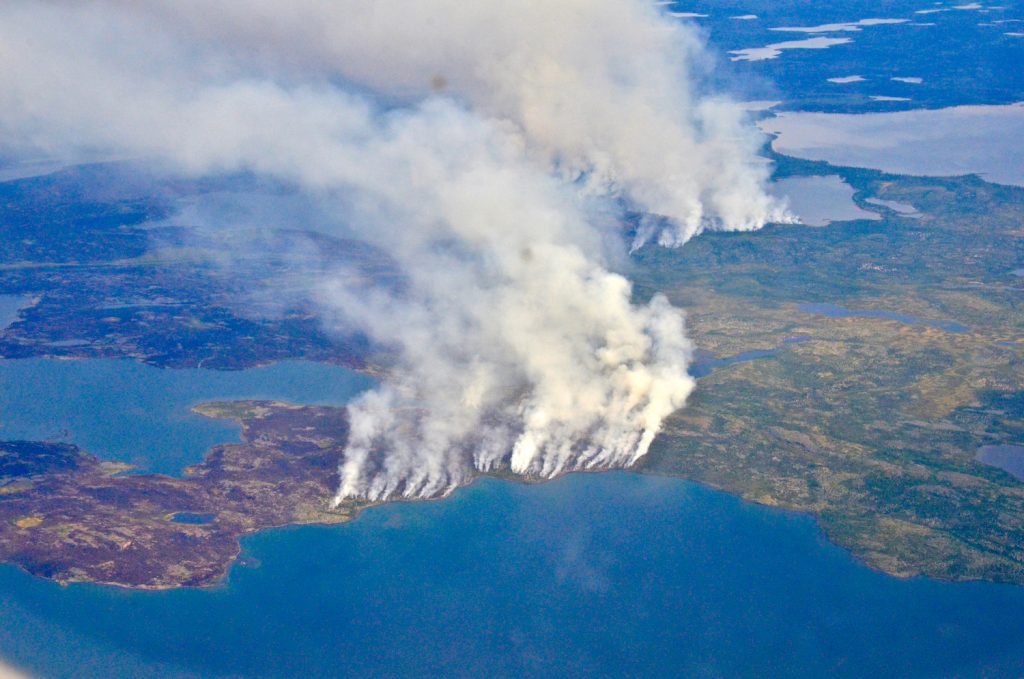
(131, 412)
(193, 518)
(1009, 458)
(985, 140)
(706, 363)
(591, 575)
(10, 305)
(835, 311)
(819, 201)
(904, 209)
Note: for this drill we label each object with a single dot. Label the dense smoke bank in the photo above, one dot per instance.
(489, 147)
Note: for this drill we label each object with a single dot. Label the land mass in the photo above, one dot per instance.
(850, 372)
(67, 516)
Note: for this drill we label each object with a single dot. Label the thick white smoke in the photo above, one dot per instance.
(489, 147)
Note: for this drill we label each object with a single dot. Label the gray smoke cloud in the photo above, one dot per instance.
(488, 147)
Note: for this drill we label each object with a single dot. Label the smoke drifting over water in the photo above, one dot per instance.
(489, 147)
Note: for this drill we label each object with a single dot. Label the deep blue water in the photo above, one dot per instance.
(127, 411)
(835, 311)
(599, 575)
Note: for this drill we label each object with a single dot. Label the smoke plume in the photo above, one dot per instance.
(491, 148)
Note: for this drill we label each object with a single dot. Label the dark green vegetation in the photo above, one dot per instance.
(870, 424)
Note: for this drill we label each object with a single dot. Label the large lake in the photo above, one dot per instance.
(986, 140)
(131, 412)
(594, 574)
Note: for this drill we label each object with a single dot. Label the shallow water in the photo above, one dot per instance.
(708, 363)
(1007, 457)
(591, 575)
(135, 413)
(835, 311)
(904, 209)
(10, 305)
(192, 518)
(819, 201)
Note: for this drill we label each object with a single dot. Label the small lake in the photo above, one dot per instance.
(705, 363)
(902, 209)
(127, 411)
(835, 311)
(192, 518)
(1007, 457)
(591, 575)
(819, 201)
(10, 305)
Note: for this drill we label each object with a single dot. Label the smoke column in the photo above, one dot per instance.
(489, 147)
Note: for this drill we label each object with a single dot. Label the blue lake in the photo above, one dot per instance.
(835, 311)
(10, 305)
(191, 518)
(127, 411)
(1009, 458)
(591, 575)
(819, 201)
(707, 363)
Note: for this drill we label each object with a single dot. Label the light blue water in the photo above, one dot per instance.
(819, 201)
(10, 305)
(905, 209)
(1009, 458)
(834, 311)
(127, 411)
(590, 575)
